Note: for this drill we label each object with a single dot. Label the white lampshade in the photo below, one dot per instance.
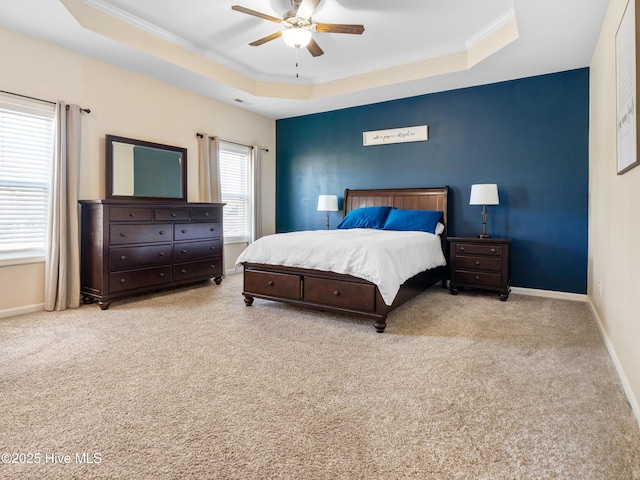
(327, 203)
(296, 37)
(484, 194)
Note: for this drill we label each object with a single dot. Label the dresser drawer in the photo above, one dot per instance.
(479, 249)
(194, 231)
(206, 213)
(130, 214)
(176, 213)
(131, 233)
(339, 293)
(133, 279)
(480, 263)
(273, 284)
(483, 279)
(187, 251)
(184, 271)
(132, 257)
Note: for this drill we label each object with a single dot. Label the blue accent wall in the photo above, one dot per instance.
(530, 136)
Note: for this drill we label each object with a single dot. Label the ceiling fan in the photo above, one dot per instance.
(298, 26)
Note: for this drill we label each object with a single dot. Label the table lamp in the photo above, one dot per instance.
(484, 194)
(328, 203)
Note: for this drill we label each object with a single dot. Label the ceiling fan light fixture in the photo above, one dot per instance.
(296, 37)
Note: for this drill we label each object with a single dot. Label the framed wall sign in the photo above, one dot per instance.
(627, 88)
(396, 135)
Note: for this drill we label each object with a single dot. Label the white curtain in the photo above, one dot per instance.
(209, 169)
(62, 268)
(256, 164)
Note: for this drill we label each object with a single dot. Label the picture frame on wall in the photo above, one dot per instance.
(627, 88)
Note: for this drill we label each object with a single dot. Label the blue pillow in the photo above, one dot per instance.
(366, 217)
(413, 220)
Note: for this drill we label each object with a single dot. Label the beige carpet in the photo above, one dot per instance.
(191, 384)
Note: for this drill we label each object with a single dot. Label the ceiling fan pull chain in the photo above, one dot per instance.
(297, 61)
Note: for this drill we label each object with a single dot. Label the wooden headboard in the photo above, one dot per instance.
(406, 198)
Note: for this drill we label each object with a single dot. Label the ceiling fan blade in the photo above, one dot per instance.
(306, 8)
(266, 39)
(314, 48)
(338, 28)
(248, 11)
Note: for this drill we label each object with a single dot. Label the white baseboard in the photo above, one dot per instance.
(11, 312)
(576, 297)
(633, 401)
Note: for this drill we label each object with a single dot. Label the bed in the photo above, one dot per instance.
(350, 293)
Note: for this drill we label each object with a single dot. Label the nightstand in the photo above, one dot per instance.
(481, 263)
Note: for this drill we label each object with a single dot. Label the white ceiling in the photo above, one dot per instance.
(551, 36)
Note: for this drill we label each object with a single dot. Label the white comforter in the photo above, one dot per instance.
(386, 258)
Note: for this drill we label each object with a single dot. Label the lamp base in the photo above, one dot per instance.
(484, 235)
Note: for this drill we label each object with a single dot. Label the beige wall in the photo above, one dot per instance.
(614, 222)
(126, 104)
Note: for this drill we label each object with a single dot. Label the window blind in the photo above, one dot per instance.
(236, 191)
(26, 154)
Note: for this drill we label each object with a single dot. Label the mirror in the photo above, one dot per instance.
(141, 170)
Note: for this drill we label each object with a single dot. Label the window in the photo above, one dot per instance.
(236, 191)
(26, 156)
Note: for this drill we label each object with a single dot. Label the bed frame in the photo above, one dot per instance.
(344, 293)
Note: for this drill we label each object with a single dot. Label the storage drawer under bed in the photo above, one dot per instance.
(273, 284)
(360, 296)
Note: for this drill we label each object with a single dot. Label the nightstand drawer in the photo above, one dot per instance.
(479, 249)
(481, 279)
(479, 263)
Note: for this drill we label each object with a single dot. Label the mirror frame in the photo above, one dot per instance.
(109, 141)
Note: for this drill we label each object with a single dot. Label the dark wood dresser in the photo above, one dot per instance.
(481, 263)
(130, 248)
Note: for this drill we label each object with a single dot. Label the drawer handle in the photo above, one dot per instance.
(161, 274)
(132, 214)
(183, 270)
(183, 251)
(493, 250)
(477, 279)
(162, 254)
(122, 280)
(270, 283)
(477, 262)
(462, 249)
(212, 248)
(184, 231)
(123, 234)
(336, 293)
(213, 229)
(123, 257)
(173, 214)
(161, 232)
(206, 214)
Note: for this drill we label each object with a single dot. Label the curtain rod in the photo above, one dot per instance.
(86, 110)
(201, 135)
